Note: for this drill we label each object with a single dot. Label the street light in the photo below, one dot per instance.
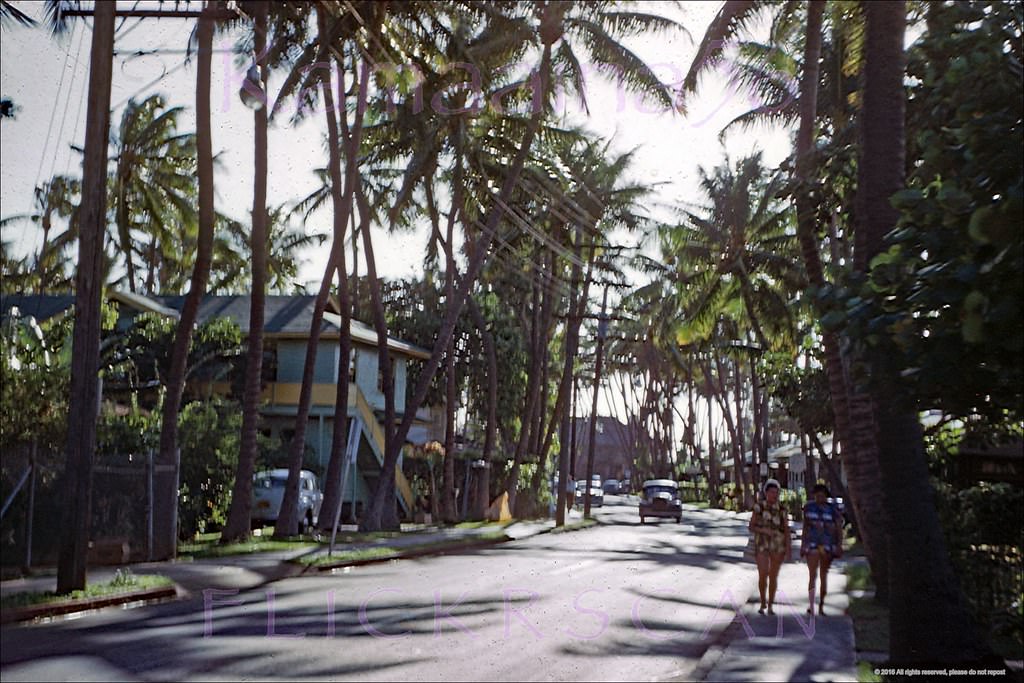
(251, 93)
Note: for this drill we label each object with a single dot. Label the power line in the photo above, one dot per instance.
(64, 117)
(53, 115)
(150, 84)
(78, 121)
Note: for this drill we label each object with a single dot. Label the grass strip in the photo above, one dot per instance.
(575, 526)
(387, 552)
(123, 582)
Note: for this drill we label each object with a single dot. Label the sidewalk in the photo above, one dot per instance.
(791, 645)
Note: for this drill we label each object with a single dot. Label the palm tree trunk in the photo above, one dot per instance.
(757, 441)
(572, 339)
(448, 506)
(165, 493)
(491, 353)
(240, 511)
(448, 514)
(530, 399)
(860, 456)
(386, 482)
(41, 285)
(537, 437)
(341, 201)
(373, 519)
(930, 622)
(740, 445)
(123, 228)
(713, 475)
(721, 395)
(592, 435)
(84, 393)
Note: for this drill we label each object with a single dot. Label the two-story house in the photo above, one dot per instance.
(286, 329)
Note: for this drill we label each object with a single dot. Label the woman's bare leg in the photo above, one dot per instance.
(773, 579)
(823, 566)
(763, 569)
(812, 570)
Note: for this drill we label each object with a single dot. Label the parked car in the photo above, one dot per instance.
(660, 499)
(268, 491)
(625, 487)
(596, 494)
(611, 486)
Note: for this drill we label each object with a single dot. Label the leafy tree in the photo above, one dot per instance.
(209, 433)
(940, 309)
(34, 380)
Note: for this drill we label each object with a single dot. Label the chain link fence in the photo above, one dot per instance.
(121, 525)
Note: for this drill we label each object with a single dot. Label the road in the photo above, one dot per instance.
(620, 601)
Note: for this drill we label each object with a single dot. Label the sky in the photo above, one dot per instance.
(47, 79)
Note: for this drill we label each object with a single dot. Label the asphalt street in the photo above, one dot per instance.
(620, 601)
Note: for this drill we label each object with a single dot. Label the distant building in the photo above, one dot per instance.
(613, 448)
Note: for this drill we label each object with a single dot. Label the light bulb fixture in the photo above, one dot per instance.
(251, 93)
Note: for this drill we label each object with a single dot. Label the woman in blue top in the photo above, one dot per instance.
(822, 541)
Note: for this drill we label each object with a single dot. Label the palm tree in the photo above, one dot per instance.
(56, 199)
(342, 188)
(240, 511)
(594, 27)
(768, 71)
(16, 276)
(738, 252)
(166, 495)
(10, 14)
(75, 525)
(153, 190)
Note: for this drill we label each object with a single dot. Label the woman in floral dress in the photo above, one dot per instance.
(770, 525)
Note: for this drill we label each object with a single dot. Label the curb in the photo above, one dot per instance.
(411, 554)
(440, 549)
(56, 609)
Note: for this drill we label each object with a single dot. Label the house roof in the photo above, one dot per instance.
(290, 317)
(285, 317)
(39, 306)
(363, 333)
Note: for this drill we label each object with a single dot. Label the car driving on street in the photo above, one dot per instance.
(660, 499)
(596, 493)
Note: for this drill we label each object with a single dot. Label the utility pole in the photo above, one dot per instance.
(85, 356)
(602, 333)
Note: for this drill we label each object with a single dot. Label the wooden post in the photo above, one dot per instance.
(88, 290)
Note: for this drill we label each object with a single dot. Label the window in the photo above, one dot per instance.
(352, 366)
